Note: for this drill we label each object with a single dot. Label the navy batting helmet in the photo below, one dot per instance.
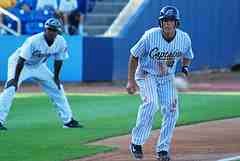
(53, 24)
(169, 12)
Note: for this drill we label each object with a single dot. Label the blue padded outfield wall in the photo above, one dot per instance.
(8, 45)
(212, 24)
(72, 68)
(98, 59)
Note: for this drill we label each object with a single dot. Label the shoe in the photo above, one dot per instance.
(72, 124)
(136, 151)
(163, 156)
(2, 127)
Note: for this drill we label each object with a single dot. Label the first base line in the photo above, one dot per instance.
(230, 159)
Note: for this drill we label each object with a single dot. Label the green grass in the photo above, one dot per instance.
(35, 132)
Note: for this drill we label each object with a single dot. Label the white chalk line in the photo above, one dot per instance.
(230, 159)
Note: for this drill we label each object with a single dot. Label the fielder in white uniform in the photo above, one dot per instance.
(152, 65)
(29, 61)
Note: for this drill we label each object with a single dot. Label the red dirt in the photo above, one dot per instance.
(208, 141)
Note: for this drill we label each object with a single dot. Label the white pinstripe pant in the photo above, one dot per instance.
(154, 91)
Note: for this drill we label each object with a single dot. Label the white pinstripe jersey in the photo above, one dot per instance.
(159, 57)
(36, 50)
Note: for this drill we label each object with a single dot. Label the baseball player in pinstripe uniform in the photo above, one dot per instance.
(29, 61)
(152, 65)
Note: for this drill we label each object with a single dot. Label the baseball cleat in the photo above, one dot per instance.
(136, 151)
(72, 124)
(163, 156)
(2, 127)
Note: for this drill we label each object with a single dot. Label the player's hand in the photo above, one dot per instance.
(185, 71)
(58, 82)
(131, 87)
(13, 83)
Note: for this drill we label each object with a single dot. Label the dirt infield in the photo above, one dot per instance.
(209, 141)
(206, 81)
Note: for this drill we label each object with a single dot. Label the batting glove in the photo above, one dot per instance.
(185, 70)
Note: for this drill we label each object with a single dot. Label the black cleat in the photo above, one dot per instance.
(2, 127)
(163, 156)
(72, 124)
(136, 151)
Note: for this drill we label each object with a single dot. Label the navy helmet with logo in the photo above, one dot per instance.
(169, 12)
(53, 24)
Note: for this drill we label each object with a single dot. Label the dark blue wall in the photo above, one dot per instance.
(98, 59)
(213, 26)
(72, 67)
(143, 19)
(120, 58)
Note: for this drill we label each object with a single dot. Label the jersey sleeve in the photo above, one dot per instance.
(139, 49)
(26, 49)
(189, 52)
(63, 53)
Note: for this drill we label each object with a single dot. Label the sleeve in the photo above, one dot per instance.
(189, 52)
(26, 49)
(139, 49)
(63, 51)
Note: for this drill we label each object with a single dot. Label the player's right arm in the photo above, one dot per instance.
(57, 67)
(187, 57)
(19, 67)
(132, 66)
(58, 61)
(137, 51)
(25, 54)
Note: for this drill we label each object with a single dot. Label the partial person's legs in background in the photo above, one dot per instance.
(80, 27)
(64, 19)
(75, 20)
(2, 31)
(65, 23)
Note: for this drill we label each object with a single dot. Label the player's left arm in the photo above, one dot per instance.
(57, 69)
(185, 66)
(187, 57)
(58, 62)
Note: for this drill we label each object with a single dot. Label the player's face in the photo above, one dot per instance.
(51, 34)
(169, 25)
